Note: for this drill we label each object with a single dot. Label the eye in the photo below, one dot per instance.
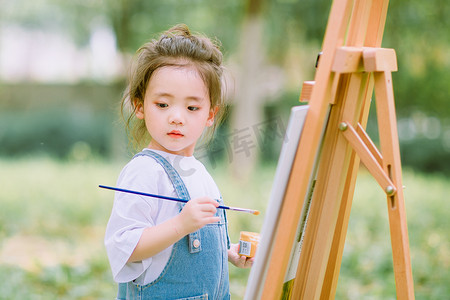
(161, 105)
(193, 108)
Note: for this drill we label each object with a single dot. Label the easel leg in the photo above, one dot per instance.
(392, 166)
(337, 247)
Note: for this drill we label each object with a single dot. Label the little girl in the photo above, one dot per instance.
(161, 249)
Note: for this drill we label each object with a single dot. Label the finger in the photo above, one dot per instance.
(208, 200)
(242, 260)
(248, 263)
(208, 208)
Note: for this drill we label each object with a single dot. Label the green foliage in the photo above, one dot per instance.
(53, 218)
(298, 20)
(136, 22)
(428, 155)
(419, 31)
(55, 131)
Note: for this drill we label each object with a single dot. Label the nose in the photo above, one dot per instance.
(176, 116)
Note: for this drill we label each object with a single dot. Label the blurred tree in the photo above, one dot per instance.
(137, 21)
(418, 30)
(247, 106)
(286, 33)
(420, 33)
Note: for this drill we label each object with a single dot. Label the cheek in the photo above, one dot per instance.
(150, 114)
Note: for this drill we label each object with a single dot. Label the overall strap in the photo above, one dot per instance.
(195, 244)
(177, 182)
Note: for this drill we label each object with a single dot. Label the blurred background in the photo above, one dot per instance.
(63, 66)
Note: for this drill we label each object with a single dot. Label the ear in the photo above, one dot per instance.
(212, 115)
(139, 109)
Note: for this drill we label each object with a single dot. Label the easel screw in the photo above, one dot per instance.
(389, 190)
(343, 126)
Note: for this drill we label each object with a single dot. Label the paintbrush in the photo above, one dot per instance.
(254, 212)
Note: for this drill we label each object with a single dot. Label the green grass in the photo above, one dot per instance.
(53, 216)
(367, 271)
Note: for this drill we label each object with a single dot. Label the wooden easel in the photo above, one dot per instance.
(326, 165)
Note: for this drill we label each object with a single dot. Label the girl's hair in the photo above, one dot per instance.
(175, 47)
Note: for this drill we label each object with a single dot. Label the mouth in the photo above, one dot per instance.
(175, 134)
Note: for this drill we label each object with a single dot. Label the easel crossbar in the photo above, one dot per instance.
(364, 59)
(366, 154)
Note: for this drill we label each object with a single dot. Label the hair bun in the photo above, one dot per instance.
(179, 30)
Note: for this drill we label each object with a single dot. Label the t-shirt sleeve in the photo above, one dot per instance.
(130, 215)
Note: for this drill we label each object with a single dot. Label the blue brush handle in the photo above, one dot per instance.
(152, 195)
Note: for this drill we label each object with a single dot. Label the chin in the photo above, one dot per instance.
(177, 150)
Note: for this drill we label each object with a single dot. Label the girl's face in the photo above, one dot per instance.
(176, 109)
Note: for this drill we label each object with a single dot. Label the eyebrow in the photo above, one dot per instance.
(164, 94)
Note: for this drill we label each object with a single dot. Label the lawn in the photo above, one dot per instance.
(53, 216)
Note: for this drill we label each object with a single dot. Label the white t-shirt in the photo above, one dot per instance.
(131, 214)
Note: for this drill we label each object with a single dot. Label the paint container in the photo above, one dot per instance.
(248, 243)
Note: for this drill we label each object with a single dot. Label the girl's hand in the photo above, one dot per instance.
(238, 260)
(196, 214)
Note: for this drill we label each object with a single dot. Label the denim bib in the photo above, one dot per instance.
(198, 265)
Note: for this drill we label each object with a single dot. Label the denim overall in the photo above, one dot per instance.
(198, 265)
